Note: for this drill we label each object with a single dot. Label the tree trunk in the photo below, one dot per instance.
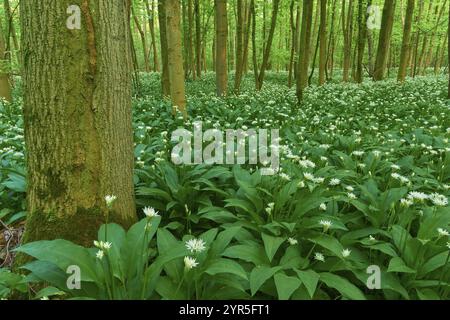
(198, 41)
(362, 34)
(448, 52)
(175, 56)
(143, 39)
(323, 42)
(268, 46)
(406, 43)
(221, 47)
(384, 40)
(165, 81)
(191, 44)
(305, 48)
(347, 27)
(5, 86)
(151, 24)
(239, 45)
(77, 115)
(10, 29)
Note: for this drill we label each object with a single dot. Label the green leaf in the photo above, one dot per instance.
(222, 265)
(398, 265)
(309, 278)
(259, 276)
(247, 252)
(271, 245)
(286, 285)
(345, 287)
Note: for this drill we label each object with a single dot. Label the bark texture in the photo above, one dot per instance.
(77, 112)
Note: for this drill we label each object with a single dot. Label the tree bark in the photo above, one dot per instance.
(175, 56)
(143, 40)
(323, 42)
(268, 46)
(362, 35)
(165, 81)
(5, 86)
(77, 115)
(239, 45)
(151, 24)
(406, 43)
(384, 40)
(305, 48)
(221, 47)
(198, 38)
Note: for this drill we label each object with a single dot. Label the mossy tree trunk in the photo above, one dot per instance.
(362, 35)
(77, 113)
(384, 40)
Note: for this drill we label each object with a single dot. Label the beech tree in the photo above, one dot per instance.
(221, 47)
(406, 44)
(77, 114)
(305, 48)
(5, 86)
(175, 56)
(384, 40)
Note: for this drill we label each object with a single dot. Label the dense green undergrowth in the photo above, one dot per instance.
(364, 185)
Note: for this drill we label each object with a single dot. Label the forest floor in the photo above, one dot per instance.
(370, 164)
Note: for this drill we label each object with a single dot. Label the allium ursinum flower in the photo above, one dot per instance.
(351, 195)
(307, 164)
(406, 202)
(319, 257)
(319, 180)
(190, 263)
(150, 212)
(292, 241)
(417, 196)
(301, 184)
(334, 182)
(358, 153)
(45, 298)
(395, 167)
(103, 245)
(349, 188)
(442, 232)
(110, 200)
(100, 254)
(323, 207)
(372, 238)
(269, 208)
(309, 176)
(346, 253)
(326, 224)
(438, 200)
(284, 176)
(195, 245)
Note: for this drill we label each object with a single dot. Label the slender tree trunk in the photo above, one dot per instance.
(347, 24)
(77, 115)
(191, 39)
(151, 24)
(239, 45)
(221, 47)
(268, 47)
(406, 43)
(384, 40)
(198, 40)
(254, 58)
(143, 39)
(305, 47)
(323, 42)
(5, 86)
(331, 41)
(10, 29)
(448, 52)
(248, 26)
(165, 81)
(362, 35)
(175, 56)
